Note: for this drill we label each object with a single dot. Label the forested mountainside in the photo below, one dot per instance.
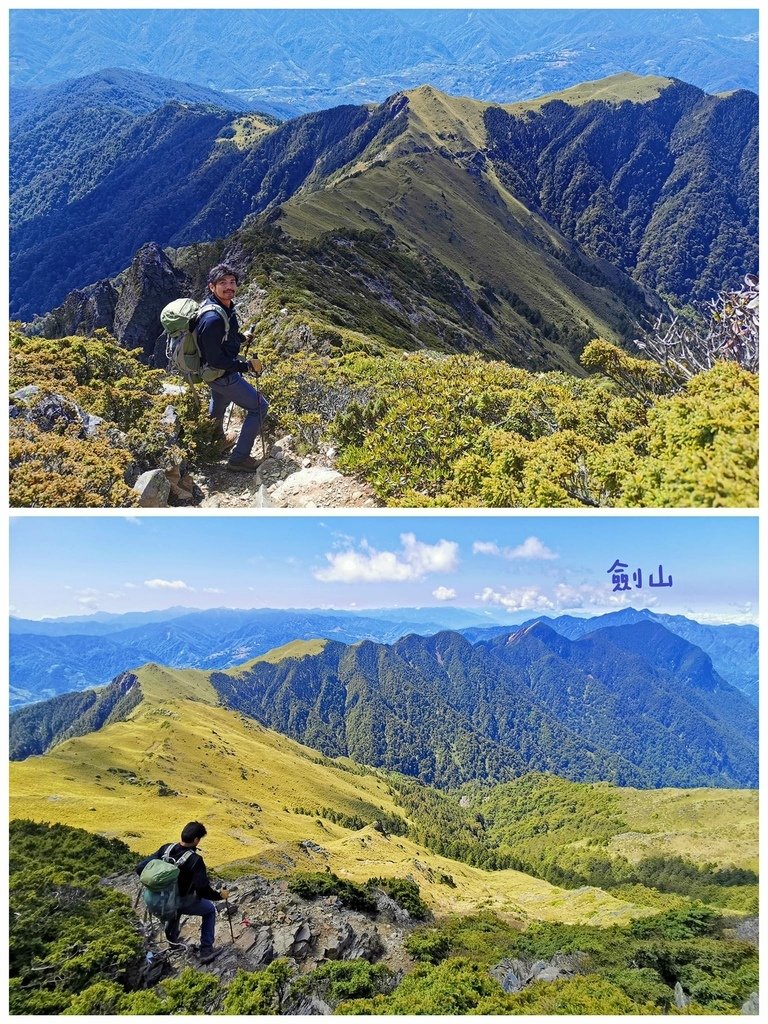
(636, 705)
(732, 648)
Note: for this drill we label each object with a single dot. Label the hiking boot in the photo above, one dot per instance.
(209, 953)
(246, 465)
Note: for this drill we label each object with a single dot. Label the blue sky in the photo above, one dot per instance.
(74, 565)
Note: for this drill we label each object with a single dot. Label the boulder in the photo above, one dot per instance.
(390, 910)
(681, 999)
(751, 1007)
(153, 489)
(50, 411)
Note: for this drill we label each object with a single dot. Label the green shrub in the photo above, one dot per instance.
(405, 892)
(312, 885)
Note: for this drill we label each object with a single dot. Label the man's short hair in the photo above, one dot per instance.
(192, 831)
(222, 270)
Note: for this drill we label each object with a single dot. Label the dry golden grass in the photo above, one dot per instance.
(706, 825)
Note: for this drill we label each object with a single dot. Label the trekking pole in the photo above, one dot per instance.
(229, 917)
(228, 416)
(261, 427)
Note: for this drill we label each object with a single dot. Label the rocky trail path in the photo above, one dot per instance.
(284, 480)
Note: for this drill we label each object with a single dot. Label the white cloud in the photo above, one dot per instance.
(444, 594)
(517, 600)
(212, 590)
(561, 597)
(484, 547)
(134, 520)
(367, 565)
(167, 585)
(130, 586)
(531, 548)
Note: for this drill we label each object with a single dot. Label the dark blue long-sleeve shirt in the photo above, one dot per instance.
(217, 353)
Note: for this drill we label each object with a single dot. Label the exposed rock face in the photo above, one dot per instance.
(82, 312)
(150, 283)
(514, 975)
(269, 922)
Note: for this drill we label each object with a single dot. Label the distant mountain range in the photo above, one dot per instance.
(51, 657)
(634, 704)
(294, 61)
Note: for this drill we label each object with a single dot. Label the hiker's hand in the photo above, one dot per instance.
(256, 365)
(224, 894)
(248, 335)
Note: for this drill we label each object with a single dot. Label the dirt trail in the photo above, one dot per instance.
(284, 480)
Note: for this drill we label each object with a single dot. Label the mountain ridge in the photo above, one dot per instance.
(443, 181)
(637, 705)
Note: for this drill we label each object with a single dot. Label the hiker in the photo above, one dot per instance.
(195, 890)
(219, 349)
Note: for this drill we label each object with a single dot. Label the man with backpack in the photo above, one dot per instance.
(193, 892)
(219, 340)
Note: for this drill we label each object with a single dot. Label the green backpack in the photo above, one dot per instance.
(179, 319)
(160, 879)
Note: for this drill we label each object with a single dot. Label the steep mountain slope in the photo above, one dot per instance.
(204, 762)
(41, 727)
(732, 648)
(446, 712)
(432, 708)
(539, 211)
(650, 693)
(650, 175)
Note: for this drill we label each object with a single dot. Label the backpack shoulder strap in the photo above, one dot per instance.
(166, 854)
(185, 857)
(214, 307)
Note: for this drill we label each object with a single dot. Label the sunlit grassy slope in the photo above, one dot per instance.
(243, 781)
(717, 825)
(614, 89)
(432, 186)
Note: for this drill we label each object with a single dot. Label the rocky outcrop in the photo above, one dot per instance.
(81, 313)
(515, 975)
(265, 921)
(50, 411)
(150, 283)
(128, 306)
